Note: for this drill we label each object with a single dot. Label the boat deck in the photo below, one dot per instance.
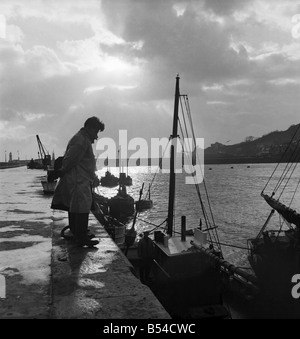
(175, 245)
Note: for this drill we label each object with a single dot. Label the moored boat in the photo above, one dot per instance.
(122, 204)
(274, 254)
(109, 180)
(144, 204)
(125, 179)
(185, 276)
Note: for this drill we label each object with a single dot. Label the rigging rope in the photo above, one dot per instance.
(204, 182)
(213, 234)
(150, 223)
(288, 180)
(155, 174)
(294, 193)
(288, 166)
(229, 245)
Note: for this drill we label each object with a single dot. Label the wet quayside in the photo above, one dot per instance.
(45, 277)
(77, 283)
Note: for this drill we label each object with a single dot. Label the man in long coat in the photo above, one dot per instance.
(74, 190)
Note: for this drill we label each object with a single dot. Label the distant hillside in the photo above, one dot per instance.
(268, 148)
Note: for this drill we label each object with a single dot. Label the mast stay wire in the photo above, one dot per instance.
(294, 164)
(287, 167)
(198, 191)
(204, 182)
(205, 214)
(293, 197)
(157, 170)
(147, 193)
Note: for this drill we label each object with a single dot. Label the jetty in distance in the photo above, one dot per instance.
(13, 164)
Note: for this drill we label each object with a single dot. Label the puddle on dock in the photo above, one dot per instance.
(31, 262)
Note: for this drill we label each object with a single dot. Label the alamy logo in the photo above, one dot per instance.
(2, 287)
(296, 288)
(189, 154)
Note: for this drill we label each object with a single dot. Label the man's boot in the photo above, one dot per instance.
(81, 229)
(72, 225)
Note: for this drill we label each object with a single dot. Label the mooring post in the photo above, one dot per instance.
(183, 228)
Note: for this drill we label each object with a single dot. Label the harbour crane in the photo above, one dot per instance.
(45, 157)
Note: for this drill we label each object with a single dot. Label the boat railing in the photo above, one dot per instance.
(232, 272)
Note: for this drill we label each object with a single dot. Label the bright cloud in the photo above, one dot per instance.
(62, 61)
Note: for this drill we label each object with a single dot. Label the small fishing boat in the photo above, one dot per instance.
(109, 180)
(144, 204)
(274, 254)
(35, 164)
(125, 180)
(122, 204)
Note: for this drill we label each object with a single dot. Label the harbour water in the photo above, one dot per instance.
(234, 192)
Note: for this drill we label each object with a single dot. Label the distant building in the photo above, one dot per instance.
(10, 157)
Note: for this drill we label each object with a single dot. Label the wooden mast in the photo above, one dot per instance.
(172, 161)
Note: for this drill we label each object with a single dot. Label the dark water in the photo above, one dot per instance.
(238, 209)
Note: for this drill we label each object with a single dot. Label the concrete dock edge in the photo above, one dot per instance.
(97, 283)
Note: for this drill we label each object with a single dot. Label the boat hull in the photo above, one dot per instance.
(275, 263)
(125, 180)
(186, 282)
(109, 182)
(143, 205)
(119, 206)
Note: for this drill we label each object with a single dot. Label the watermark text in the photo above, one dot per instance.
(296, 287)
(188, 154)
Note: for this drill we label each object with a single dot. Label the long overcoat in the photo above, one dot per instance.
(74, 190)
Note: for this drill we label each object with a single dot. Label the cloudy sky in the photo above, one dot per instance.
(62, 61)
